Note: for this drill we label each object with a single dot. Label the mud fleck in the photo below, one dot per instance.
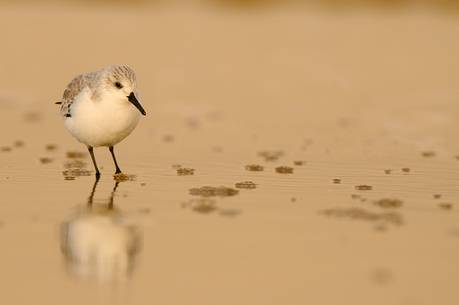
(299, 163)
(445, 206)
(389, 203)
(245, 185)
(75, 155)
(18, 143)
(229, 212)
(121, 177)
(406, 170)
(437, 196)
(168, 138)
(429, 154)
(211, 191)
(355, 196)
(75, 164)
(5, 148)
(254, 168)
(381, 276)
(284, 170)
(72, 173)
(387, 171)
(202, 205)
(46, 160)
(51, 147)
(293, 199)
(143, 184)
(32, 117)
(336, 181)
(183, 171)
(363, 187)
(271, 155)
(362, 214)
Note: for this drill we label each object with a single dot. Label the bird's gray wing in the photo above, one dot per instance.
(73, 89)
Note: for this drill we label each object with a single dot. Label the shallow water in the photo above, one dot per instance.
(365, 216)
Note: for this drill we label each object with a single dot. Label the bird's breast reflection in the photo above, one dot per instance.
(98, 242)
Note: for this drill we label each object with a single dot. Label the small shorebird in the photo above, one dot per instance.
(100, 108)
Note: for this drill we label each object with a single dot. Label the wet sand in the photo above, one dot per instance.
(366, 98)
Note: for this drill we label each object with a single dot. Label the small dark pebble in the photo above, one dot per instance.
(336, 181)
(51, 147)
(406, 169)
(445, 206)
(18, 143)
(76, 155)
(363, 187)
(245, 185)
(210, 191)
(387, 171)
(299, 163)
(284, 170)
(254, 168)
(437, 196)
(388, 203)
(46, 160)
(428, 154)
(183, 171)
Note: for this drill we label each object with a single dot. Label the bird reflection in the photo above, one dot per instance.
(97, 241)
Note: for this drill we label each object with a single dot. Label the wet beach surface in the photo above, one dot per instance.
(314, 163)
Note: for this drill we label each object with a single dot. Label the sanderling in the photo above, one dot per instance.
(98, 108)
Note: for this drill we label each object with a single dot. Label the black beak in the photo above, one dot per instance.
(131, 97)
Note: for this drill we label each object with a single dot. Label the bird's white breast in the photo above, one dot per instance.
(103, 122)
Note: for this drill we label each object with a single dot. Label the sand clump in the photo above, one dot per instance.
(357, 213)
(284, 170)
(388, 203)
(212, 191)
(254, 168)
(245, 185)
(184, 171)
(363, 187)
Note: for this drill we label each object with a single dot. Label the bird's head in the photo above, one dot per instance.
(120, 82)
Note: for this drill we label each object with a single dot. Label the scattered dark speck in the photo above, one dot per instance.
(299, 163)
(445, 206)
(271, 155)
(437, 196)
(229, 212)
(254, 168)
(176, 166)
(336, 181)
(143, 184)
(46, 160)
(76, 155)
(428, 154)
(51, 147)
(284, 170)
(387, 171)
(355, 196)
(406, 169)
(245, 185)
(388, 203)
(293, 199)
(211, 191)
(5, 148)
(183, 171)
(381, 276)
(18, 143)
(168, 138)
(363, 187)
(32, 117)
(362, 214)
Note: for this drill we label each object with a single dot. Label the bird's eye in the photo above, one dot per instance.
(118, 85)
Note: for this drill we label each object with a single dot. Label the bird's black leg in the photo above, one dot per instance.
(118, 170)
(91, 152)
(93, 191)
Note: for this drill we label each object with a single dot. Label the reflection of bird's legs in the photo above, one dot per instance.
(91, 196)
(110, 203)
